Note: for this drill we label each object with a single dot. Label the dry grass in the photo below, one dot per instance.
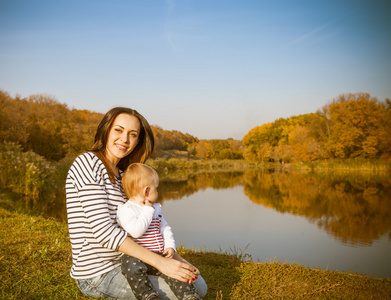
(230, 278)
(35, 261)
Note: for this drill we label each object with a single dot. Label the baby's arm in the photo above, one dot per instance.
(135, 223)
(169, 252)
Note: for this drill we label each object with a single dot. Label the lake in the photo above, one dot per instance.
(331, 221)
(339, 222)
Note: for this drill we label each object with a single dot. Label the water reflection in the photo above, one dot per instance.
(170, 188)
(355, 210)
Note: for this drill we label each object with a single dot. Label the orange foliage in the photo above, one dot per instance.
(355, 125)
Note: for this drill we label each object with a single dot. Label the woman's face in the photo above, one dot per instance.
(123, 137)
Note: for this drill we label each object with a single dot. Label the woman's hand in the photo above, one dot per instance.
(178, 270)
(181, 259)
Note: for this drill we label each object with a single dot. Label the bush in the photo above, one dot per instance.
(25, 173)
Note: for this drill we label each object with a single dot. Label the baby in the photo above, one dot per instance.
(143, 220)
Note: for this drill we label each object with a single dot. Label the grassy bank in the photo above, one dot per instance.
(183, 166)
(175, 168)
(172, 164)
(347, 165)
(35, 258)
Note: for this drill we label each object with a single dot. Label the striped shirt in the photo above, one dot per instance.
(146, 225)
(92, 201)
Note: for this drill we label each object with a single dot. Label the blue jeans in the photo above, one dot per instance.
(113, 285)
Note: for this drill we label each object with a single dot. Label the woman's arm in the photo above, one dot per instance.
(173, 268)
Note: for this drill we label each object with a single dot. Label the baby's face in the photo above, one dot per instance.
(153, 193)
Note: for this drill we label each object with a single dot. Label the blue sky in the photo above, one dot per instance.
(213, 69)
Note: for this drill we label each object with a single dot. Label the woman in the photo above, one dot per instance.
(94, 191)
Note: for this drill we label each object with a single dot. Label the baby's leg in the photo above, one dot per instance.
(182, 290)
(136, 273)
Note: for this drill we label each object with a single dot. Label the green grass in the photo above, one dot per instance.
(35, 258)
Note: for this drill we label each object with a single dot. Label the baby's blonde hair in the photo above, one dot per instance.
(136, 177)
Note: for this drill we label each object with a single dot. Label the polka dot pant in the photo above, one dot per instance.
(136, 272)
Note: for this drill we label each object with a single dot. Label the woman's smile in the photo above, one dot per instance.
(121, 147)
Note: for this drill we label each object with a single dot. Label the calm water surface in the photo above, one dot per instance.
(330, 221)
(341, 222)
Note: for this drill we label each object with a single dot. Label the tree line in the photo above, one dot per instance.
(41, 124)
(351, 126)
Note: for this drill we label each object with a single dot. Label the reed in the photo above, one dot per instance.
(173, 164)
(347, 165)
(25, 173)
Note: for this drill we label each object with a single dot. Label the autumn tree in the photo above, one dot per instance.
(13, 122)
(79, 132)
(283, 154)
(273, 141)
(172, 139)
(236, 147)
(46, 118)
(253, 140)
(354, 125)
(304, 146)
(359, 127)
(226, 149)
(386, 148)
(204, 150)
(41, 124)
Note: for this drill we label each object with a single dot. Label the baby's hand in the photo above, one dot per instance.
(169, 252)
(148, 203)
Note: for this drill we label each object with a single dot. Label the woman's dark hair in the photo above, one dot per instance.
(140, 153)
